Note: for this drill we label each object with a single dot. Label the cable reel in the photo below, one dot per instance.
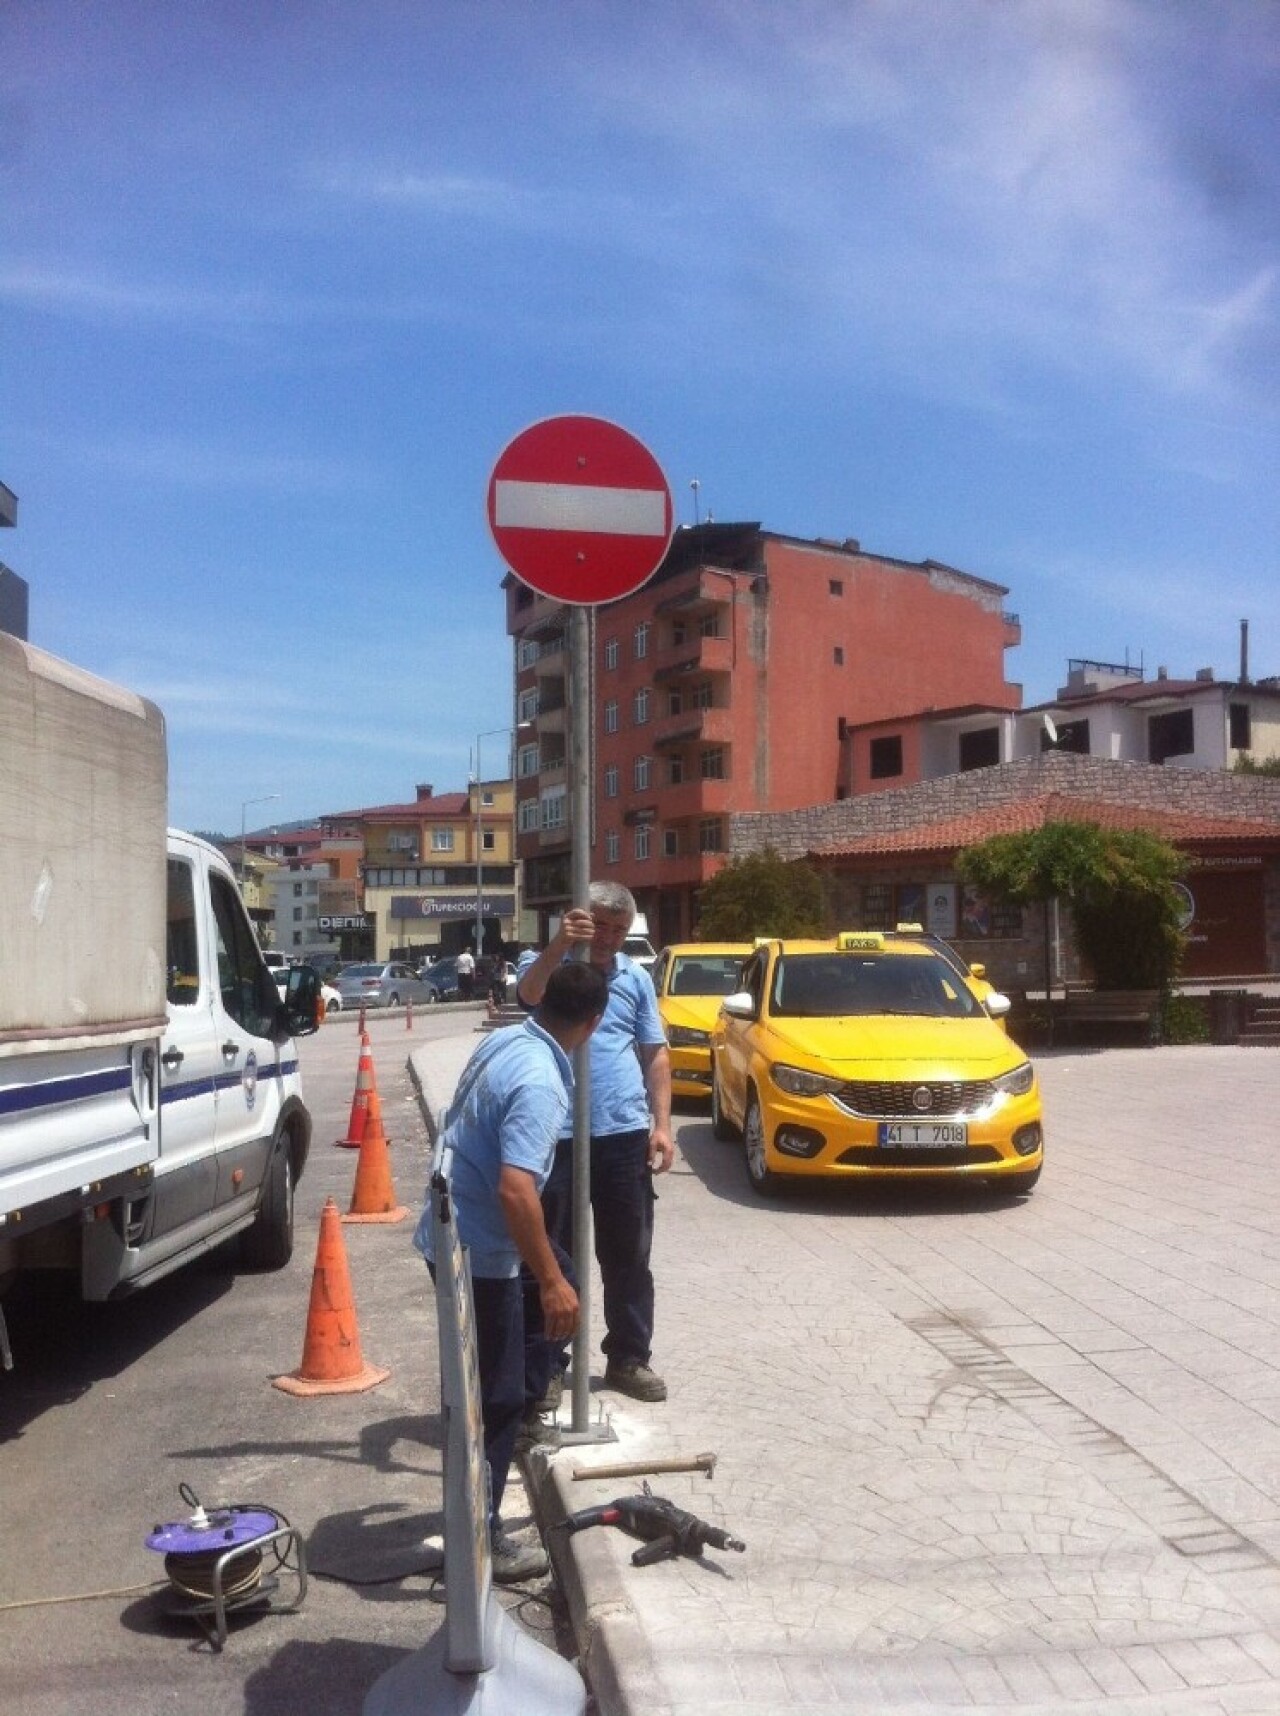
(226, 1558)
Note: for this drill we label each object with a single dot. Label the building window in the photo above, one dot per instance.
(527, 652)
(527, 704)
(641, 640)
(297, 938)
(709, 626)
(679, 632)
(640, 773)
(611, 715)
(611, 653)
(528, 815)
(837, 655)
(675, 703)
(642, 833)
(1070, 736)
(442, 840)
(488, 840)
(1171, 735)
(710, 834)
(886, 762)
(527, 761)
(701, 696)
(980, 750)
(553, 804)
(835, 587)
(1241, 727)
(297, 886)
(612, 846)
(671, 843)
(675, 771)
(297, 914)
(640, 706)
(877, 905)
(711, 763)
(611, 781)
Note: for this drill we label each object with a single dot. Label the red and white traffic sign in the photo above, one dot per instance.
(580, 509)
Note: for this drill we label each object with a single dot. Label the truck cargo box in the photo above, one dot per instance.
(83, 785)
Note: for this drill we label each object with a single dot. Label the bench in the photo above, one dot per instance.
(1083, 1006)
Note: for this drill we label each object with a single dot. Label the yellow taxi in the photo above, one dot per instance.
(868, 1055)
(974, 975)
(692, 978)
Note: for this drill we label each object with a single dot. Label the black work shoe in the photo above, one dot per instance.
(634, 1379)
(536, 1432)
(550, 1401)
(514, 1562)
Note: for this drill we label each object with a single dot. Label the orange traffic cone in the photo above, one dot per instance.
(332, 1362)
(366, 1084)
(373, 1197)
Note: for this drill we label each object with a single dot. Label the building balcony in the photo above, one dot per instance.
(542, 618)
(692, 799)
(704, 590)
(693, 726)
(1012, 630)
(552, 716)
(695, 655)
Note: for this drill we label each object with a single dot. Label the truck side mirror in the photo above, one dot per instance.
(302, 1009)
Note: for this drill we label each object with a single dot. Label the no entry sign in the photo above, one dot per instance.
(580, 509)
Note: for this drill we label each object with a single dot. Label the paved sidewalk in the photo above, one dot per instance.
(984, 1458)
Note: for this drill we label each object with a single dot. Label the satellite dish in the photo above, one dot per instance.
(1050, 731)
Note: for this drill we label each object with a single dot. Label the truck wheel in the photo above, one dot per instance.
(268, 1244)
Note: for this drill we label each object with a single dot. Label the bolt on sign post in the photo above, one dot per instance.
(581, 513)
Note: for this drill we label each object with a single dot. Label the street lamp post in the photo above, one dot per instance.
(491, 734)
(265, 799)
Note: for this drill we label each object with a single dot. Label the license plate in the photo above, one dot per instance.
(923, 1134)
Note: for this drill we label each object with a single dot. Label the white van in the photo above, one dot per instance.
(150, 1100)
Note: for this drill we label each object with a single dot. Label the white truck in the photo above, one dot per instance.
(150, 1100)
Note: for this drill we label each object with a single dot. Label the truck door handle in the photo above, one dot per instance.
(230, 1051)
(172, 1059)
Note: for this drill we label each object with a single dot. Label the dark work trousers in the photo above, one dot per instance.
(622, 1208)
(500, 1348)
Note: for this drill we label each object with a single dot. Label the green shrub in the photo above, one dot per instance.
(1186, 1019)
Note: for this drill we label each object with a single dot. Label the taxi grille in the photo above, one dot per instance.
(897, 1100)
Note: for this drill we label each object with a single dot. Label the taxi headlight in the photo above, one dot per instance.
(1018, 1082)
(796, 1082)
(685, 1037)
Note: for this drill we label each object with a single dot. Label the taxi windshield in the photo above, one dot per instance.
(863, 985)
(705, 974)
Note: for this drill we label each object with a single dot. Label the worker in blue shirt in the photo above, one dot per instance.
(501, 1127)
(630, 1135)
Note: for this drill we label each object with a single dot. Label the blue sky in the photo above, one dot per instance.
(996, 284)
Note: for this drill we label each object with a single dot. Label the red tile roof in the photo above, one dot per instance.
(1022, 815)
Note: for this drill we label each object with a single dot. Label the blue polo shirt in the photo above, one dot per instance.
(507, 1111)
(619, 1100)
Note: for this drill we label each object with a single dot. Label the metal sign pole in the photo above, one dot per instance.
(580, 888)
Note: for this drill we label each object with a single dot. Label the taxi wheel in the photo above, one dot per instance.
(763, 1179)
(722, 1127)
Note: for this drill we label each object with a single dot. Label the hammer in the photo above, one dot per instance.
(642, 1468)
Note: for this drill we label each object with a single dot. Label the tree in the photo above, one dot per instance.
(761, 894)
(1120, 886)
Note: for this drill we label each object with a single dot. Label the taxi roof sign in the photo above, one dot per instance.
(859, 941)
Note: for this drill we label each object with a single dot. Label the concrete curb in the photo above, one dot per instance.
(614, 1657)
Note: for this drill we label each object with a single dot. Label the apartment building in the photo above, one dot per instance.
(728, 684)
(434, 866)
(1105, 709)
